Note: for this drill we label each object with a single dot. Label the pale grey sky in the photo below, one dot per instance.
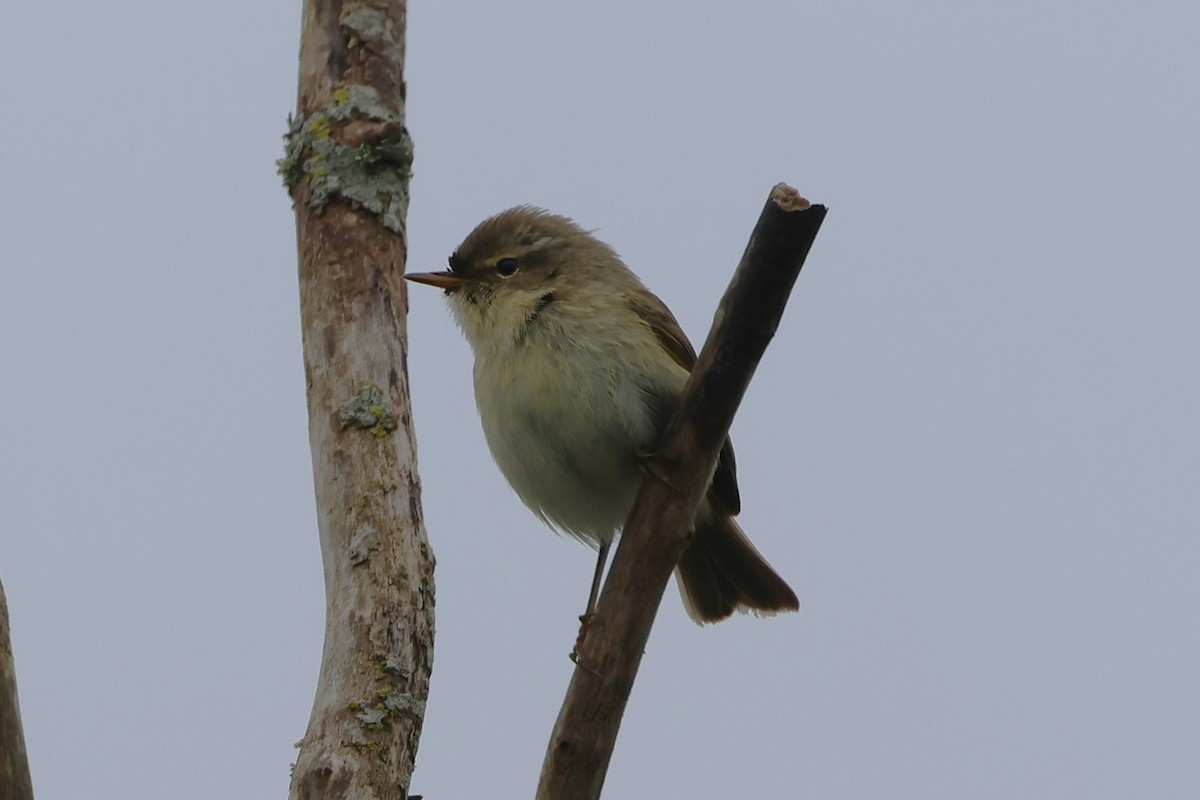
(972, 448)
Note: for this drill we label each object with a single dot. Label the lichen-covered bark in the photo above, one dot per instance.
(346, 165)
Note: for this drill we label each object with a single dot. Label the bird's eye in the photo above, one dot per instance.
(506, 267)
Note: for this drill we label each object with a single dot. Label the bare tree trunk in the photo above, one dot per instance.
(347, 165)
(14, 765)
(677, 476)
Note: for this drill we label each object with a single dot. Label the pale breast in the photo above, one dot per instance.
(564, 418)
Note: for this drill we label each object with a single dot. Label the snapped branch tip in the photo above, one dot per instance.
(788, 199)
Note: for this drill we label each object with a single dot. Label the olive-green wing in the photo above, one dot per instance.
(654, 312)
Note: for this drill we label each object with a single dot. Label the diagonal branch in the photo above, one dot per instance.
(659, 524)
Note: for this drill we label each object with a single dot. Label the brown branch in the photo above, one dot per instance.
(14, 765)
(346, 164)
(658, 527)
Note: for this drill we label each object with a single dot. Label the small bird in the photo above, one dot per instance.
(578, 368)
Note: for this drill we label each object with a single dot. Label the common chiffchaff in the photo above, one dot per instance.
(578, 368)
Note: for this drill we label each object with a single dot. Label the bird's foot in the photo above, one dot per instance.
(577, 656)
(646, 462)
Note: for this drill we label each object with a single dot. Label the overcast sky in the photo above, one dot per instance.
(973, 447)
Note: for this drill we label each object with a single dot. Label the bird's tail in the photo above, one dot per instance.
(722, 572)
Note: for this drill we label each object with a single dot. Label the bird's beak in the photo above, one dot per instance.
(443, 280)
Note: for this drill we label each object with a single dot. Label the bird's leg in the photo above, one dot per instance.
(601, 560)
(585, 619)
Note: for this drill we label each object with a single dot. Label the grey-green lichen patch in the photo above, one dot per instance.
(400, 703)
(373, 175)
(289, 167)
(393, 666)
(391, 704)
(373, 719)
(365, 23)
(356, 736)
(356, 100)
(362, 543)
(368, 409)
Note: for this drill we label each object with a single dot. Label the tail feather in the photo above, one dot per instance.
(722, 572)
